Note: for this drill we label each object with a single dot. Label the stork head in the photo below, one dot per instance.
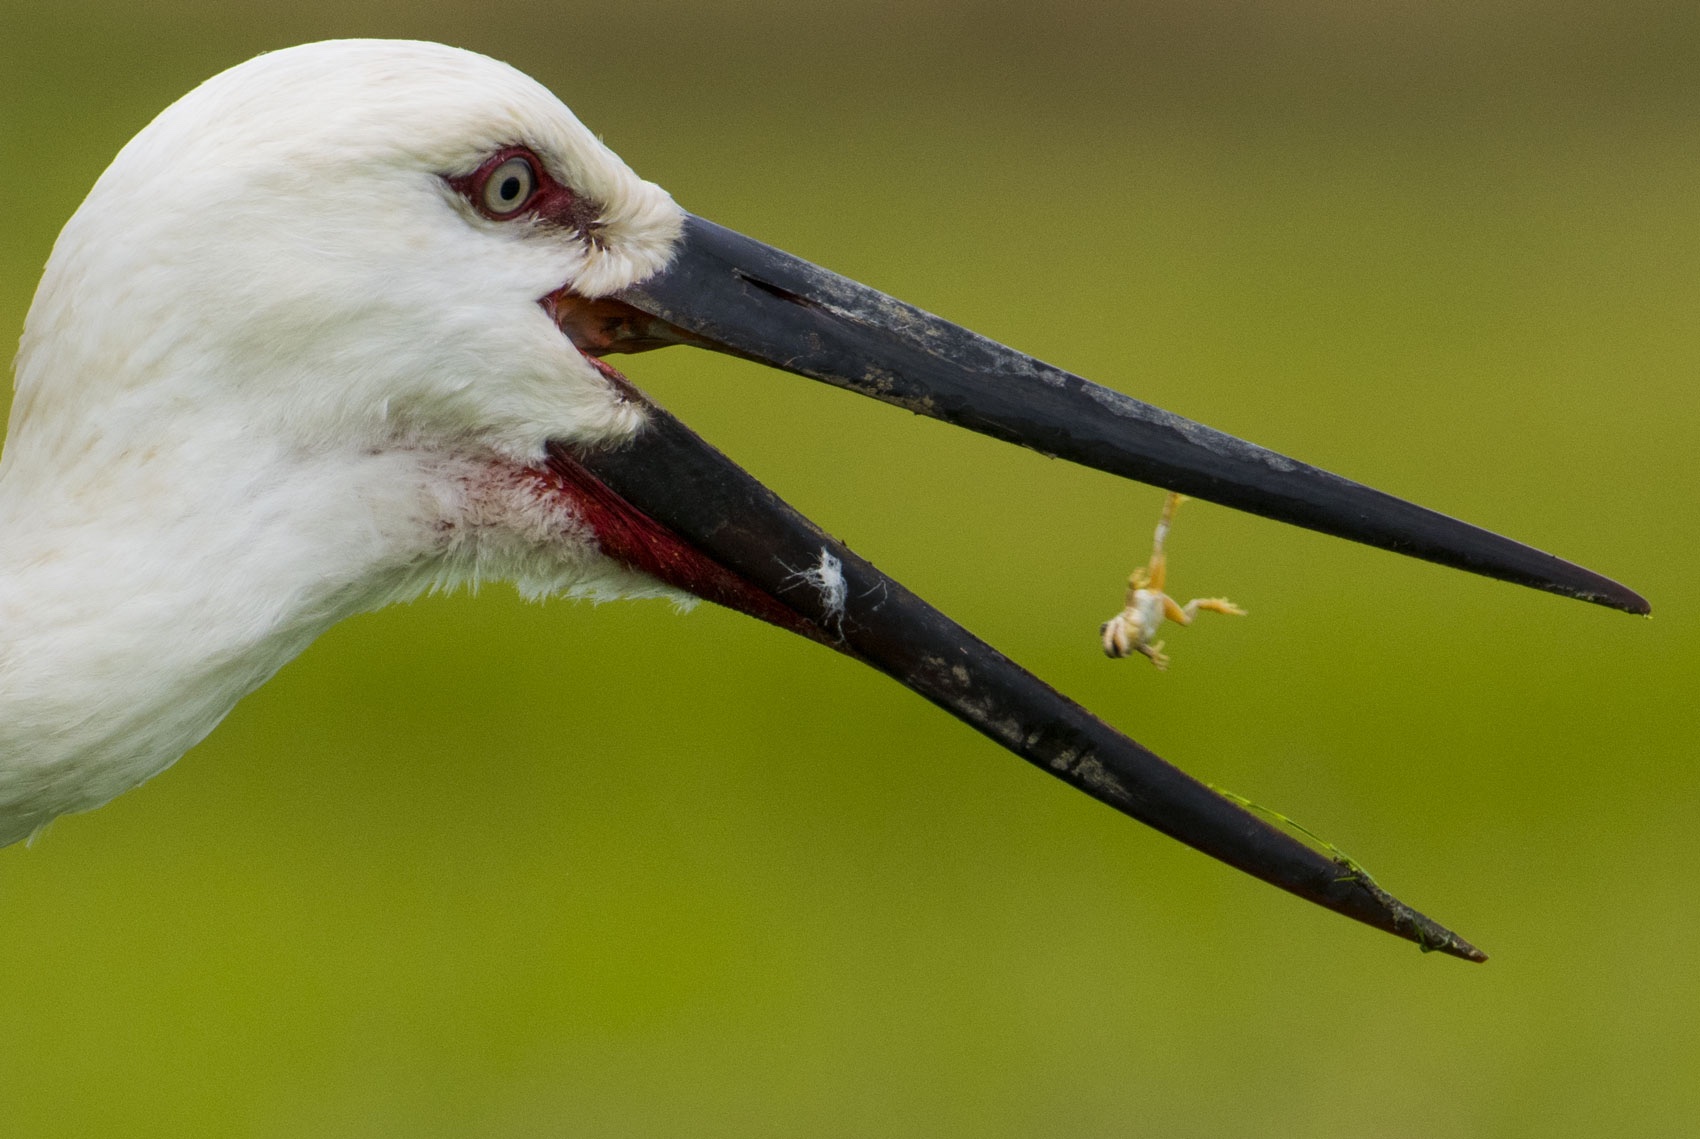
(347, 243)
(361, 247)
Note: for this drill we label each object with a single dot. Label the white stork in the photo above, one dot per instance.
(330, 332)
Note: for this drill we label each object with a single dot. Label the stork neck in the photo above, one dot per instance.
(140, 601)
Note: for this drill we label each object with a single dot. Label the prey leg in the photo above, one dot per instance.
(1183, 614)
(1146, 606)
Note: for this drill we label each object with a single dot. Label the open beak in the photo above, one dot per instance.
(667, 503)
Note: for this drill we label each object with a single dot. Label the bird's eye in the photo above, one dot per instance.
(509, 187)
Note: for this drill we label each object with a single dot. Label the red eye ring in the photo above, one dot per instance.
(509, 183)
(514, 183)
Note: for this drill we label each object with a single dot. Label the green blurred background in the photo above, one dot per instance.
(478, 868)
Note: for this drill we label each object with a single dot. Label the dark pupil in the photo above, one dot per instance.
(510, 188)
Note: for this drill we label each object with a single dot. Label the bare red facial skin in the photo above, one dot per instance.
(633, 539)
(623, 532)
(550, 203)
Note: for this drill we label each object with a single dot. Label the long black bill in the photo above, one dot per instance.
(736, 295)
(669, 504)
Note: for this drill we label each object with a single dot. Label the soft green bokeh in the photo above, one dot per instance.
(478, 868)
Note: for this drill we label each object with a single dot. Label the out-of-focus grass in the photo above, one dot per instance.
(474, 867)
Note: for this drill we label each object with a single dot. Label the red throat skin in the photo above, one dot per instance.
(637, 541)
(623, 532)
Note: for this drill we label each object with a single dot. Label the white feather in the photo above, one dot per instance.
(276, 373)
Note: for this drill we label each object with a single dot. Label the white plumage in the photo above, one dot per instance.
(277, 372)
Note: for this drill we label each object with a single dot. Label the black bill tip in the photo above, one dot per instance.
(1398, 918)
(730, 293)
(669, 504)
